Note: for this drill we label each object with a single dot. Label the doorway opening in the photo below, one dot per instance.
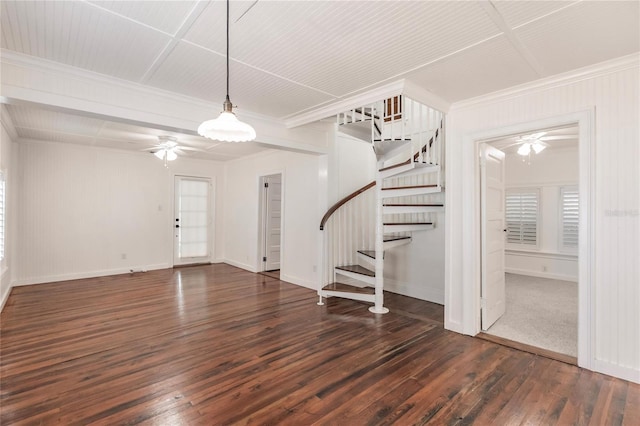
(192, 224)
(270, 225)
(529, 215)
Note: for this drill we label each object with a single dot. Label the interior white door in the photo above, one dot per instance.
(272, 212)
(192, 236)
(493, 295)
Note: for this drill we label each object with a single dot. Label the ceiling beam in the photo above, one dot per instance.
(33, 81)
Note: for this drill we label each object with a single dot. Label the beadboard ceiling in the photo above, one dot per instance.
(291, 57)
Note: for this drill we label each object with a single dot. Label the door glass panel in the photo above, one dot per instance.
(193, 213)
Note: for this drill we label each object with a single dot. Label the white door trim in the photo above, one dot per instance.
(471, 225)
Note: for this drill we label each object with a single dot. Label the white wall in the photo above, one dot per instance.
(352, 165)
(9, 169)
(417, 269)
(547, 171)
(304, 199)
(81, 208)
(609, 92)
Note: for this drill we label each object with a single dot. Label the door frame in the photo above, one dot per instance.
(586, 254)
(260, 265)
(211, 218)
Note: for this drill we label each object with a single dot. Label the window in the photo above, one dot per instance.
(521, 214)
(2, 215)
(569, 216)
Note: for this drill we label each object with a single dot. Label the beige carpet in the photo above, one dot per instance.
(540, 312)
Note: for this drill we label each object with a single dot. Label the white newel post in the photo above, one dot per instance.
(378, 307)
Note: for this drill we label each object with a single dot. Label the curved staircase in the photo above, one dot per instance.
(407, 138)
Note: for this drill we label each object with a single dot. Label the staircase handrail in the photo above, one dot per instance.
(343, 201)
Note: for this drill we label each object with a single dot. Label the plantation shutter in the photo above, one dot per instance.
(522, 217)
(569, 203)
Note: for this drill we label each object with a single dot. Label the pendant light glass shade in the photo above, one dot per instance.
(227, 127)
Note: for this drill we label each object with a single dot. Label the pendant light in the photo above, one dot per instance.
(227, 127)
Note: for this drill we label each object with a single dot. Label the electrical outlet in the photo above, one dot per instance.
(315, 268)
(544, 268)
(123, 256)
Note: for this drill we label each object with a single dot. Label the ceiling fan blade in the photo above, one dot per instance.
(558, 137)
(536, 135)
(191, 148)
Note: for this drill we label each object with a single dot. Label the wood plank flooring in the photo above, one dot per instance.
(216, 345)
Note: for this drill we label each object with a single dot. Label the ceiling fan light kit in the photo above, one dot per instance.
(525, 148)
(227, 127)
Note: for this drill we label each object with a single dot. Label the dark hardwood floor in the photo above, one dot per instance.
(217, 345)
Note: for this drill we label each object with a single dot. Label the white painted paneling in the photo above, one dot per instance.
(249, 88)
(417, 269)
(83, 209)
(301, 207)
(487, 67)
(612, 89)
(584, 34)
(516, 13)
(339, 47)
(163, 15)
(352, 166)
(8, 167)
(77, 34)
(552, 266)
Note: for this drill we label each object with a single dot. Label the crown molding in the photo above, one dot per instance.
(574, 76)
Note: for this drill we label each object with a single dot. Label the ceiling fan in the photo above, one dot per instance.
(536, 142)
(167, 149)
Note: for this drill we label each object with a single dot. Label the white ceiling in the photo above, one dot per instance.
(290, 57)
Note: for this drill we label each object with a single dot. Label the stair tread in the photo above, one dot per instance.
(413, 205)
(406, 163)
(389, 239)
(392, 140)
(349, 288)
(410, 187)
(370, 253)
(357, 269)
(409, 223)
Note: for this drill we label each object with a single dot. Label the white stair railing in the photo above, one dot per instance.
(349, 229)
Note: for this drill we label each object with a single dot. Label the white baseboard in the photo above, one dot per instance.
(88, 274)
(452, 325)
(241, 265)
(549, 275)
(626, 373)
(406, 289)
(5, 297)
(313, 285)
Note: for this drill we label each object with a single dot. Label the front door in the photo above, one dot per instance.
(192, 225)
(492, 179)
